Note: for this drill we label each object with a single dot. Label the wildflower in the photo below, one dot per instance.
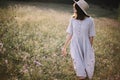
(37, 63)
(54, 55)
(1, 46)
(24, 69)
(6, 61)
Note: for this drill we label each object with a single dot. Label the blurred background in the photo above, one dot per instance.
(32, 33)
(102, 3)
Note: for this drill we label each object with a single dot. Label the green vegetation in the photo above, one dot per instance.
(31, 37)
(119, 13)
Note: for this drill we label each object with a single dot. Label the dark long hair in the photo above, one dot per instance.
(80, 14)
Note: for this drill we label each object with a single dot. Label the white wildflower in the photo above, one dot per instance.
(6, 61)
(1, 45)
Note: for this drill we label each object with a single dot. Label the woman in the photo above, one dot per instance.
(81, 31)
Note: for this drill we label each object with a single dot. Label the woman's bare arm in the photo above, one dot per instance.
(68, 38)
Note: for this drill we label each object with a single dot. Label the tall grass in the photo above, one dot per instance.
(9, 59)
(34, 34)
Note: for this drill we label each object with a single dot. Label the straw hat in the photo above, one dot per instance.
(83, 5)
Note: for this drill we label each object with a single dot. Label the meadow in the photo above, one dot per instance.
(32, 34)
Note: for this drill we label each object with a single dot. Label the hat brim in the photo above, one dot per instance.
(81, 8)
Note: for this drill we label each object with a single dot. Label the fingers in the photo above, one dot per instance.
(63, 52)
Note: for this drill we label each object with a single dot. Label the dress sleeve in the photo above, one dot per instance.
(70, 27)
(92, 28)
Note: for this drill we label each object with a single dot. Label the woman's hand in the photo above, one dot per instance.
(64, 52)
(91, 40)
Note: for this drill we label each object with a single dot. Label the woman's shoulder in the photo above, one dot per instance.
(90, 18)
(73, 18)
(87, 18)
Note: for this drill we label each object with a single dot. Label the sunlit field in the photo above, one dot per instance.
(33, 33)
